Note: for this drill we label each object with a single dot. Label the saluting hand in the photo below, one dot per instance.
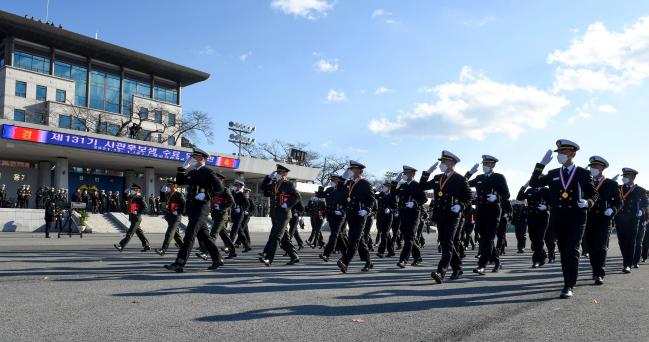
(474, 169)
(433, 168)
(546, 158)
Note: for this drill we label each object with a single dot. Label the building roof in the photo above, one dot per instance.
(49, 35)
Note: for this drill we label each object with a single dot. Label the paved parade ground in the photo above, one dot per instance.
(73, 289)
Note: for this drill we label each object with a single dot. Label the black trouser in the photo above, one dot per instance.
(538, 225)
(383, 225)
(501, 234)
(48, 225)
(316, 231)
(369, 220)
(219, 220)
(172, 231)
(409, 223)
(645, 245)
(467, 230)
(278, 234)
(627, 230)
(569, 225)
(135, 229)
(521, 235)
(639, 241)
(447, 225)
(551, 241)
(197, 228)
(356, 241)
(244, 230)
(596, 238)
(293, 230)
(396, 232)
(335, 225)
(237, 219)
(487, 220)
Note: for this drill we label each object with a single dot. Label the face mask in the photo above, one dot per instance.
(594, 172)
(443, 167)
(626, 180)
(486, 169)
(562, 158)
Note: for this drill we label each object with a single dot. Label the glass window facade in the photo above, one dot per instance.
(165, 94)
(28, 61)
(158, 116)
(171, 119)
(65, 121)
(80, 77)
(37, 118)
(132, 87)
(104, 91)
(144, 113)
(108, 128)
(21, 89)
(79, 124)
(171, 141)
(41, 93)
(19, 115)
(2, 57)
(144, 135)
(60, 95)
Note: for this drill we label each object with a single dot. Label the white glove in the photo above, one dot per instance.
(387, 210)
(456, 208)
(542, 207)
(396, 214)
(410, 204)
(582, 203)
(526, 184)
(190, 162)
(175, 213)
(399, 177)
(474, 169)
(217, 207)
(246, 213)
(639, 213)
(362, 212)
(347, 174)
(506, 216)
(546, 158)
(237, 210)
(433, 168)
(491, 197)
(200, 197)
(277, 177)
(615, 177)
(295, 214)
(135, 212)
(338, 213)
(608, 212)
(284, 205)
(272, 175)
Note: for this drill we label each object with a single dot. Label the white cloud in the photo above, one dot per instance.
(601, 60)
(382, 90)
(244, 56)
(474, 107)
(326, 65)
(380, 13)
(309, 9)
(206, 50)
(336, 96)
(605, 108)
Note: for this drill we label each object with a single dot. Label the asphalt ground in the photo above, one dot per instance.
(73, 289)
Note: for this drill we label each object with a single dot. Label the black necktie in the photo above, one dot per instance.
(566, 173)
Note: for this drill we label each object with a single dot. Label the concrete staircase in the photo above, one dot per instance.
(103, 223)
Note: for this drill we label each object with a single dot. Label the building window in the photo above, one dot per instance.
(104, 91)
(79, 124)
(172, 119)
(158, 116)
(31, 62)
(160, 139)
(65, 121)
(2, 57)
(60, 95)
(132, 87)
(21, 89)
(165, 94)
(19, 115)
(36, 118)
(144, 135)
(108, 128)
(41, 93)
(144, 114)
(171, 141)
(80, 77)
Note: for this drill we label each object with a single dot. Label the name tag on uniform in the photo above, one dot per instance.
(437, 182)
(555, 178)
(480, 182)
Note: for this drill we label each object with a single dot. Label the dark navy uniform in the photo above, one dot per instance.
(316, 210)
(538, 216)
(220, 205)
(293, 224)
(628, 220)
(240, 206)
(411, 200)
(387, 205)
(137, 206)
(519, 220)
(174, 208)
(335, 201)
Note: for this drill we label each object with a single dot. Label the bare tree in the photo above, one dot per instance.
(331, 164)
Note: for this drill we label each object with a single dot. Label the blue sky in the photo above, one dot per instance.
(395, 82)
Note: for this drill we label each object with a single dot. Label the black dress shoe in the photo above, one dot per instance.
(300, 247)
(342, 266)
(161, 251)
(497, 267)
(636, 266)
(380, 255)
(536, 265)
(293, 261)
(456, 274)
(145, 249)
(231, 255)
(202, 255)
(401, 264)
(520, 251)
(390, 255)
(599, 281)
(479, 270)
(438, 277)
(264, 261)
(416, 262)
(626, 270)
(216, 264)
(368, 267)
(566, 293)
(174, 267)
(324, 258)
(245, 250)
(118, 247)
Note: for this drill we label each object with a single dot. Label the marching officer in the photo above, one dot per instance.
(387, 205)
(53, 212)
(492, 193)
(240, 206)
(572, 193)
(519, 220)
(360, 200)
(411, 200)
(174, 208)
(3, 195)
(452, 196)
(283, 197)
(316, 209)
(600, 217)
(538, 216)
(335, 199)
(628, 220)
(293, 223)
(202, 184)
(136, 208)
(221, 202)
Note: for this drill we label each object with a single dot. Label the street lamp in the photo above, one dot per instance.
(239, 138)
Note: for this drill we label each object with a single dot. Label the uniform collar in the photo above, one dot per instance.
(569, 168)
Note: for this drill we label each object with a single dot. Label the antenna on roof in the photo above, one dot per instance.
(97, 34)
(47, 10)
